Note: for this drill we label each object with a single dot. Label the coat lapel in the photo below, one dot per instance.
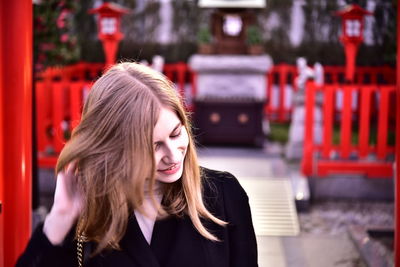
(176, 243)
(135, 244)
(164, 238)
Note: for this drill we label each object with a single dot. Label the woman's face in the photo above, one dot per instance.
(170, 144)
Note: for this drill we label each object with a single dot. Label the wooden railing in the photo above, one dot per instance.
(60, 93)
(363, 75)
(281, 85)
(365, 145)
(185, 80)
(58, 110)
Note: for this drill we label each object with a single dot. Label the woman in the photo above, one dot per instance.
(130, 187)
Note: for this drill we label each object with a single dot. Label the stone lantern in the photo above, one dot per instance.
(352, 35)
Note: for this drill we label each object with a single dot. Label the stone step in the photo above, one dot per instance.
(272, 206)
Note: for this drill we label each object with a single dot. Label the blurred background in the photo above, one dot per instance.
(296, 98)
(289, 29)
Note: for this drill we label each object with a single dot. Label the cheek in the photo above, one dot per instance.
(184, 142)
(157, 157)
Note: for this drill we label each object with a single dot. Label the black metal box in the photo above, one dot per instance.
(223, 122)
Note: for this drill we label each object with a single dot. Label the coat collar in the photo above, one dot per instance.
(136, 246)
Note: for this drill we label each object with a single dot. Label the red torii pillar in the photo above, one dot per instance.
(15, 128)
(1, 145)
(397, 164)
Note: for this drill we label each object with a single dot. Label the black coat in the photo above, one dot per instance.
(175, 242)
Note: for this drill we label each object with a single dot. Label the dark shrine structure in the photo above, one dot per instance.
(231, 82)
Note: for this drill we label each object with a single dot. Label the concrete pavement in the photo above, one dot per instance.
(300, 250)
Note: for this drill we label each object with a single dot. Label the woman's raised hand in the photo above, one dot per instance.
(66, 207)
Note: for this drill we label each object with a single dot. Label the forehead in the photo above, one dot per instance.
(166, 123)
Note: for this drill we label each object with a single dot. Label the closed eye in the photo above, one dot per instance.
(157, 145)
(176, 133)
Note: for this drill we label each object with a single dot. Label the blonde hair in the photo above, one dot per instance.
(113, 153)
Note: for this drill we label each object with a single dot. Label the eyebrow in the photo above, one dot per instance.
(176, 127)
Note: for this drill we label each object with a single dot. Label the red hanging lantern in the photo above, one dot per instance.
(109, 28)
(352, 35)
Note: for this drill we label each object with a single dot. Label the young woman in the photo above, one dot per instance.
(130, 191)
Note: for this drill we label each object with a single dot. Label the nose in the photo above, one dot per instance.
(172, 154)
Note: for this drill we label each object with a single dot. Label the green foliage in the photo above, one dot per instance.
(139, 29)
(54, 41)
(385, 17)
(320, 40)
(279, 132)
(254, 35)
(141, 24)
(204, 36)
(321, 25)
(188, 19)
(322, 30)
(172, 53)
(275, 23)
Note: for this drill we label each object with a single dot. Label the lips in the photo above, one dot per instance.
(171, 170)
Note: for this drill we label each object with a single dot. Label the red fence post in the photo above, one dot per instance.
(41, 115)
(345, 131)
(58, 115)
(168, 69)
(16, 127)
(282, 87)
(329, 93)
(307, 162)
(76, 102)
(383, 122)
(194, 89)
(181, 69)
(365, 112)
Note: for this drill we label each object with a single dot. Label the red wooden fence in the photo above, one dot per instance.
(60, 93)
(182, 76)
(374, 159)
(57, 117)
(281, 85)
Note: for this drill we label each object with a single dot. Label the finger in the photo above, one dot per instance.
(66, 184)
(60, 184)
(71, 166)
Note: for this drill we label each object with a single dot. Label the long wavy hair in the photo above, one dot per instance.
(113, 154)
